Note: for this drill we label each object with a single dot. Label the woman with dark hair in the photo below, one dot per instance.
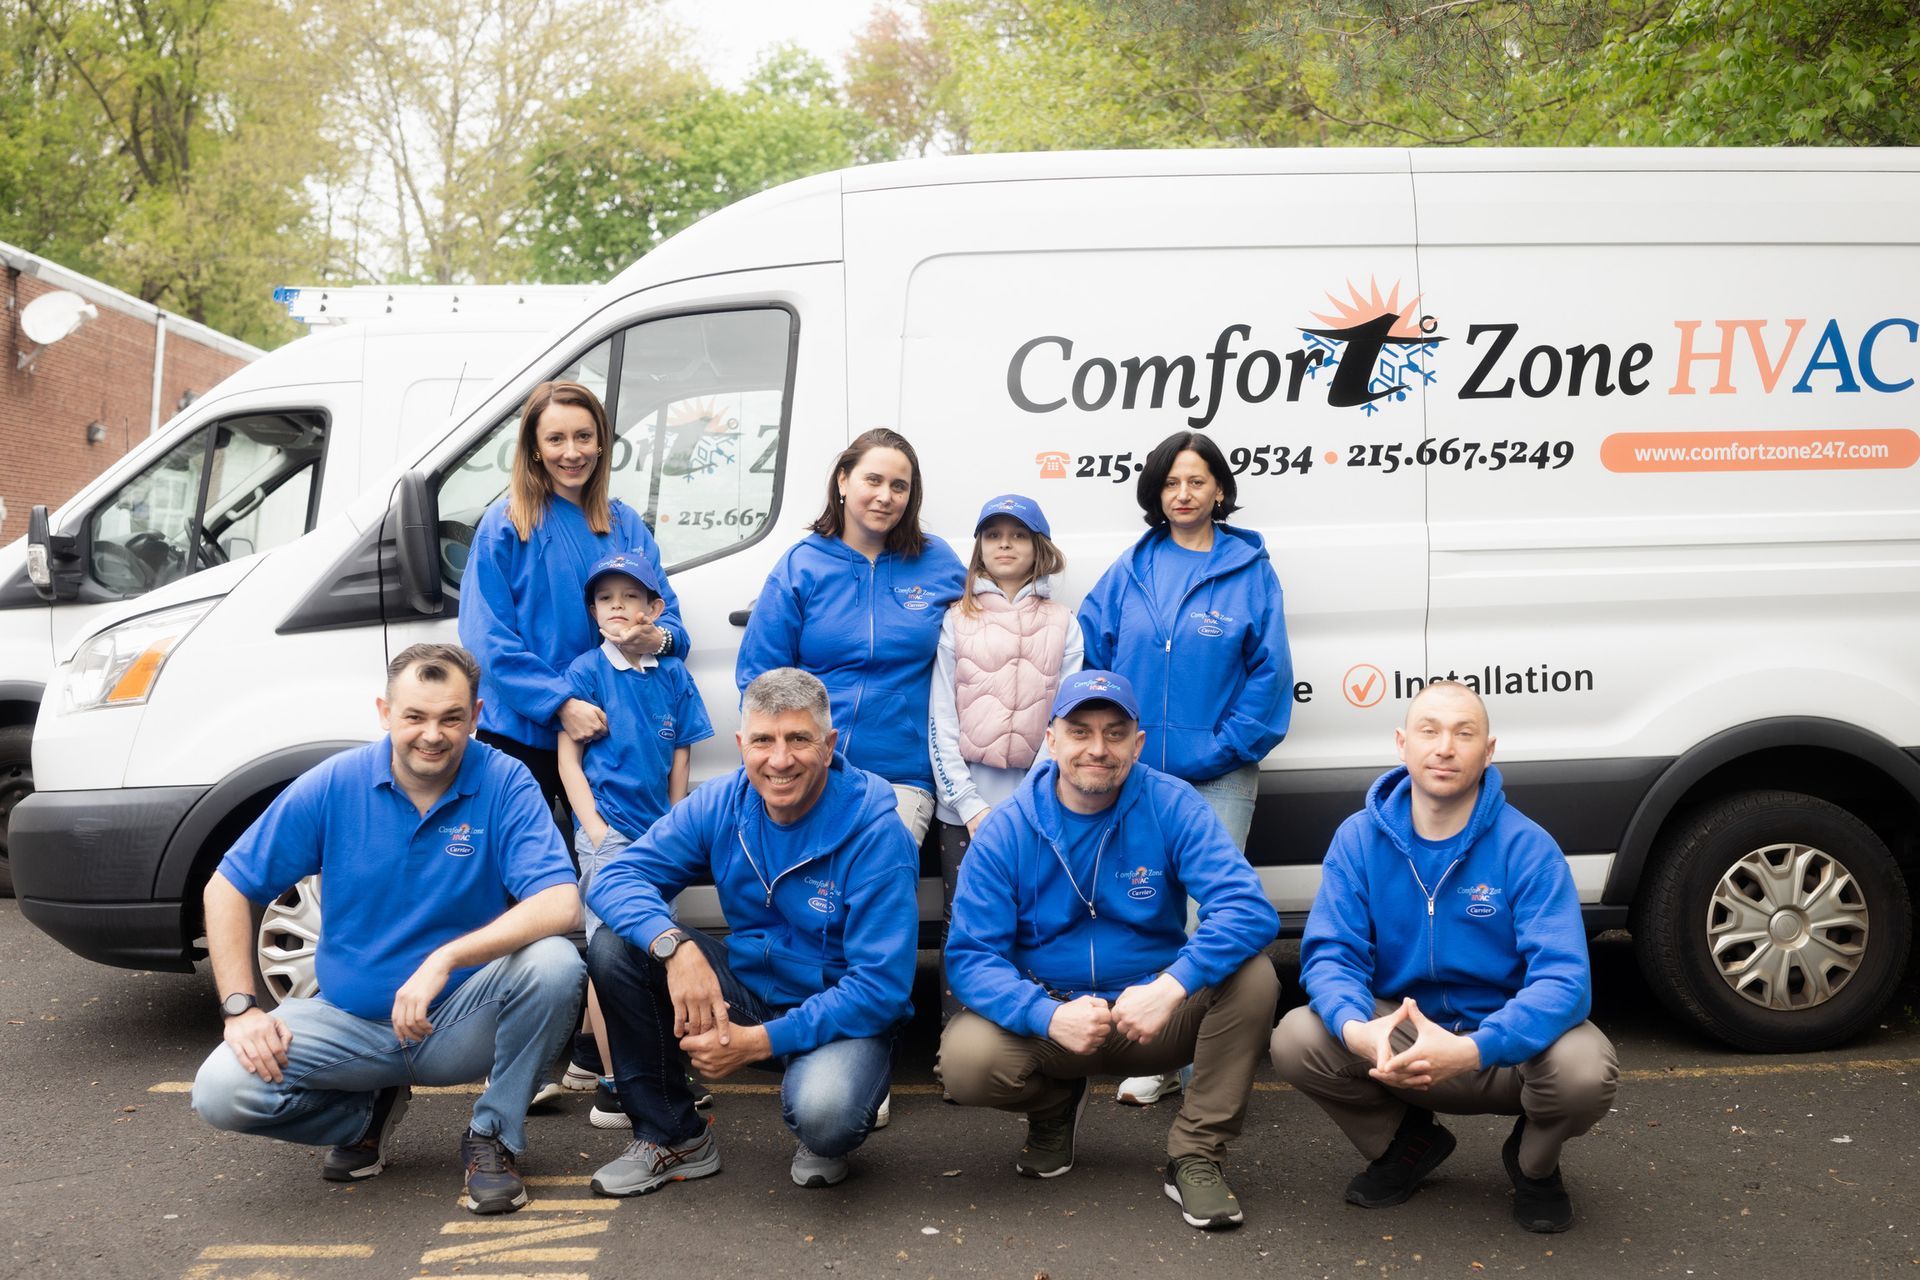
(520, 611)
(858, 602)
(1192, 615)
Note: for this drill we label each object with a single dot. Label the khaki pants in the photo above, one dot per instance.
(1220, 1030)
(1562, 1090)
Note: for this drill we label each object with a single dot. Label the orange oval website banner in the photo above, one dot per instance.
(1839, 449)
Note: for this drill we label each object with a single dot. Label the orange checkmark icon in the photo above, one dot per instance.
(1364, 684)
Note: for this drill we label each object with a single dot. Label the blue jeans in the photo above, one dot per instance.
(1231, 797)
(507, 1021)
(828, 1096)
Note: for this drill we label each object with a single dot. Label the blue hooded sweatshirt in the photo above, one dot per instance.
(1485, 933)
(828, 938)
(520, 613)
(869, 631)
(1212, 669)
(1024, 935)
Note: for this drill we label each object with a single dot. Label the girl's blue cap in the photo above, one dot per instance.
(1023, 509)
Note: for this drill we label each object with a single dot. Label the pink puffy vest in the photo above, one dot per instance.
(1006, 671)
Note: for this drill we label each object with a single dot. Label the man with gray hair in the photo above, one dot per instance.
(817, 878)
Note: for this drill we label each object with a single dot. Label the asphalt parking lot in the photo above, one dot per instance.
(1713, 1164)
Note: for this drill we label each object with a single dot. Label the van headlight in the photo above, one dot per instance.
(120, 666)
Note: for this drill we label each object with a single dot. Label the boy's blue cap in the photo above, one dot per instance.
(631, 563)
(1023, 509)
(1095, 686)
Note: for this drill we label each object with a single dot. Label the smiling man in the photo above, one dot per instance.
(816, 876)
(1447, 968)
(440, 964)
(1069, 947)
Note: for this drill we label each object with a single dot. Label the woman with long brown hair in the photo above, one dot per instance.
(520, 602)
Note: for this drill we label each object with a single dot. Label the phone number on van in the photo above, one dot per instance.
(1282, 460)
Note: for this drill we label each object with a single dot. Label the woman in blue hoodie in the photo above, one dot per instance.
(858, 602)
(520, 611)
(1192, 616)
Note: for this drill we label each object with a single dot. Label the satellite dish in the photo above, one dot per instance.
(54, 316)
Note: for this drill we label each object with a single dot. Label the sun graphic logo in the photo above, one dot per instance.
(1377, 348)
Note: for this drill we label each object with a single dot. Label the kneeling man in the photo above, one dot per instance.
(1447, 968)
(816, 876)
(440, 963)
(1069, 946)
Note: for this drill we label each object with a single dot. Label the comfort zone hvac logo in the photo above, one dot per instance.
(460, 839)
(1212, 622)
(1140, 882)
(666, 728)
(914, 598)
(824, 893)
(1480, 903)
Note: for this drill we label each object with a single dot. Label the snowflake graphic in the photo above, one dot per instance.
(1398, 366)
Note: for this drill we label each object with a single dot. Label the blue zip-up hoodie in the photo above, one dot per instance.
(1023, 932)
(1487, 938)
(1212, 670)
(520, 613)
(869, 631)
(830, 938)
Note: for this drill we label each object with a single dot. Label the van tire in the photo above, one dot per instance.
(286, 933)
(1712, 859)
(16, 784)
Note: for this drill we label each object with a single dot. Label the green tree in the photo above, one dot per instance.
(631, 164)
(899, 75)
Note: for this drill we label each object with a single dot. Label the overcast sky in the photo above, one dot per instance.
(729, 34)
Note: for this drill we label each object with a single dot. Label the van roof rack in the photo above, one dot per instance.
(321, 305)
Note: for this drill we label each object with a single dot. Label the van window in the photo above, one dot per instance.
(232, 488)
(698, 405)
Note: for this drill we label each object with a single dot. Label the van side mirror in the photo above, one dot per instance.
(53, 562)
(416, 544)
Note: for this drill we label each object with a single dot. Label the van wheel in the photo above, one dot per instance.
(1774, 921)
(286, 935)
(16, 784)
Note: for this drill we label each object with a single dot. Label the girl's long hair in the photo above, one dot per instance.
(1047, 559)
(532, 488)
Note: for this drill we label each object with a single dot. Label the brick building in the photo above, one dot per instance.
(72, 408)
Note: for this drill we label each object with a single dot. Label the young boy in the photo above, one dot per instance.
(621, 784)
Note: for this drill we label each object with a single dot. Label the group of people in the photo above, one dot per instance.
(1094, 776)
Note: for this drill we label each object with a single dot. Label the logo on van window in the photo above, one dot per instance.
(1480, 904)
(1376, 347)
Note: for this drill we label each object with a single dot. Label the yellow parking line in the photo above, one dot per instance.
(496, 1248)
(557, 1180)
(524, 1275)
(232, 1252)
(547, 1255)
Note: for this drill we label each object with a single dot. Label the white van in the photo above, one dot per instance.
(275, 449)
(1623, 438)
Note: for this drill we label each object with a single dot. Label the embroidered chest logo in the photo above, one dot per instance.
(824, 893)
(666, 728)
(1212, 622)
(460, 839)
(1140, 882)
(914, 598)
(1480, 897)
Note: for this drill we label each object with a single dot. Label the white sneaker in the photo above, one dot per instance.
(884, 1116)
(813, 1171)
(578, 1079)
(1144, 1091)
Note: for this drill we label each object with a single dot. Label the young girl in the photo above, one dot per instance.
(1003, 651)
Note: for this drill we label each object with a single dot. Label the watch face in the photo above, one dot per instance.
(664, 945)
(235, 1005)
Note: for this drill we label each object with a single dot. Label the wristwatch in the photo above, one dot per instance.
(237, 1003)
(666, 944)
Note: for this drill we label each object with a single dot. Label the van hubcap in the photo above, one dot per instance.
(289, 935)
(1787, 926)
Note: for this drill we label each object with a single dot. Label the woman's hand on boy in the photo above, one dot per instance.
(641, 640)
(582, 721)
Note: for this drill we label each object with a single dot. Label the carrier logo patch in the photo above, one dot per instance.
(915, 598)
(666, 728)
(1140, 882)
(460, 839)
(1481, 897)
(825, 891)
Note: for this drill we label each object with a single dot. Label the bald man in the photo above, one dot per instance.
(1446, 964)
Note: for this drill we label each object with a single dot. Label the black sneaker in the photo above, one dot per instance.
(493, 1184)
(1416, 1151)
(607, 1111)
(702, 1095)
(1049, 1149)
(369, 1155)
(1539, 1204)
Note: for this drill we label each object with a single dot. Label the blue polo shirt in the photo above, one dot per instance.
(651, 711)
(396, 885)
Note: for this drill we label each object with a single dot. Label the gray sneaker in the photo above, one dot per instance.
(1206, 1201)
(647, 1166)
(1049, 1149)
(812, 1170)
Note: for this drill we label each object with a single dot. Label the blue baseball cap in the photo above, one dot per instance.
(631, 563)
(1095, 686)
(1023, 509)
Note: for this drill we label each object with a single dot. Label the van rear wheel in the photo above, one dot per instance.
(286, 936)
(1774, 921)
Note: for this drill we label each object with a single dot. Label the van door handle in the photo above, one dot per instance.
(739, 616)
